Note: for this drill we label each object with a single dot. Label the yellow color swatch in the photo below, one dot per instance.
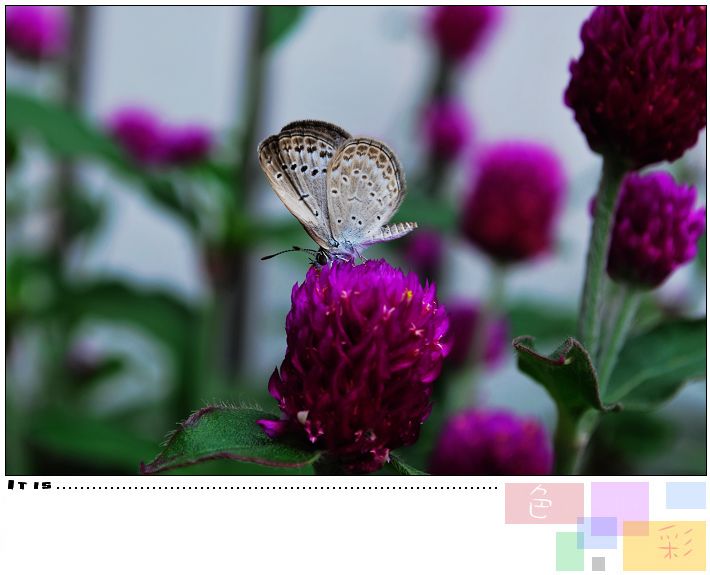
(664, 546)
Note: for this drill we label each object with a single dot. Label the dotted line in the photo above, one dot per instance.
(285, 488)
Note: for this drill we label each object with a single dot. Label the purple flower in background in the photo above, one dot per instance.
(460, 31)
(424, 252)
(514, 203)
(140, 134)
(656, 229)
(463, 323)
(364, 346)
(447, 129)
(188, 144)
(150, 142)
(36, 32)
(482, 442)
(639, 89)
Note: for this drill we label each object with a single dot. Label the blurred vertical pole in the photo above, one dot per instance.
(73, 97)
(236, 296)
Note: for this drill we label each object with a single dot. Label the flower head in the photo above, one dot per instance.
(36, 32)
(424, 252)
(364, 345)
(638, 91)
(459, 31)
(447, 129)
(656, 229)
(512, 209)
(141, 135)
(463, 320)
(188, 144)
(481, 442)
(152, 143)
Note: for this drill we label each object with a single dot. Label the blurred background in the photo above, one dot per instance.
(134, 289)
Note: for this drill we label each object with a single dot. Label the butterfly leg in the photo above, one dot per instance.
(363, 259)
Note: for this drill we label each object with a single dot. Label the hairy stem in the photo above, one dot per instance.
(574, 430)
(589, 326)
(619, 330)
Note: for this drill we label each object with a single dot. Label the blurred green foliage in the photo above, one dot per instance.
(280, 21)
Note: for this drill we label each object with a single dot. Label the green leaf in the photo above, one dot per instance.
(653, 366)
(62, 131)
(280, 20)
(217, 432)
(567, 374)
(401, 468)
(82, 438)
(542, 319)
(231, 467)
(635, 435)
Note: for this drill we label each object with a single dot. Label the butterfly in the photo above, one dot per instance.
(343, 190)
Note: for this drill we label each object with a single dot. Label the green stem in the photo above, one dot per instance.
(571, 439)
(574, 430)
(590, 317)
(619, 330)
(565, 442)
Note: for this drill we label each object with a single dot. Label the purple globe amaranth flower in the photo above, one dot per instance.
(188, 144)
(515, 201)
(459, 31)
(464, 317)
(424, 252)
(364, 346)
(141, 134)
(482, 442)
(639, 89)
(447, 129)
(656, 229)
(36, 32)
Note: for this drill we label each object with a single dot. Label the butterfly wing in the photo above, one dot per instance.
(295, 162)
(365, 187)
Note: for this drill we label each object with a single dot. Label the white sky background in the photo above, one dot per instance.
(365, 68)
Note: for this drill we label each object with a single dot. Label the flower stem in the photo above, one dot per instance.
(574, 430)
(619, 330)
(565, 442)
(486, 318)
(571, 438)
(589, 326)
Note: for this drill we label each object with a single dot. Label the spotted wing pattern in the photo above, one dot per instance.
(295, 162)
(365, 187)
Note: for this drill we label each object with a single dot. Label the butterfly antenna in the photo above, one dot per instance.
(293, 249)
